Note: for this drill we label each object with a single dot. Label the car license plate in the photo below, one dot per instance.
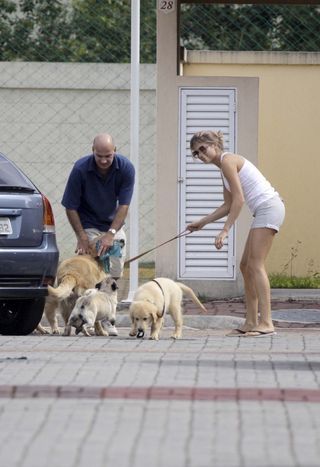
(5, 226)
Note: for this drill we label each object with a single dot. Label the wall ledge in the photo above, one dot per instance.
(252, 58)
(58, 75)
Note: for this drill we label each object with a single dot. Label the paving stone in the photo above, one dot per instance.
(203, 400)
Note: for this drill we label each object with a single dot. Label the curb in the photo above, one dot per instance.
(295, 294)
(192, 321)
(219, 322)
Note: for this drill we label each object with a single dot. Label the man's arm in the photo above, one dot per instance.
(107, 239)
(82, 237)
(120, 217)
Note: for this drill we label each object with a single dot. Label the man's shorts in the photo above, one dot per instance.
(269, 214)
(116, 264)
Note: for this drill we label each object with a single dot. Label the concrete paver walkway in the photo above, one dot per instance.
(205, 400)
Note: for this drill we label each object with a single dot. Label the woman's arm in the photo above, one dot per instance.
(220, 212)
(230, 171)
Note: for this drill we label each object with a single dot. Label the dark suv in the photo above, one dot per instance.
(28, 251)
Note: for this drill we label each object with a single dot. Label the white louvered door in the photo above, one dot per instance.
(200, 185)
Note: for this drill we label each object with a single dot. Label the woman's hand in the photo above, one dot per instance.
(195, 226)
(219, 240)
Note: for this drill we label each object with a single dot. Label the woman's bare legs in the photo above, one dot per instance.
(257, 286)
(251, 296)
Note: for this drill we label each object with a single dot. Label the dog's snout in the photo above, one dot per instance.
(114, 286)
(140, 333)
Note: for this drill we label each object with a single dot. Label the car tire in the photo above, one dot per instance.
(20, 317)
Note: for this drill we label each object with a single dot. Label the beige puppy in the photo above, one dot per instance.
(94, 307)
(152, 300)
(74, 276)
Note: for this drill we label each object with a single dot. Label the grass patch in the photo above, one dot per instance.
(282, 281)
(277, 281)
(146, 271)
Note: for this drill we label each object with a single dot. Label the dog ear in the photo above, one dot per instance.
(154, 316)
(131, 316)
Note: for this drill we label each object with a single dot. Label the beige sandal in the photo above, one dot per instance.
(236, 333)
(260, 334)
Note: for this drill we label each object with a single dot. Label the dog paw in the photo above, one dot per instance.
(43, 332)
(154, 338)
(132, 333)
(176, 336)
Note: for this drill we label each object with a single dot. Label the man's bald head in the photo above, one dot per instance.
(103, 142)
(103, 150)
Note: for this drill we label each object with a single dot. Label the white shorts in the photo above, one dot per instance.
(269, 214)
(116, 264)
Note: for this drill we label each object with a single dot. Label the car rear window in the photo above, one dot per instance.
(12, 178)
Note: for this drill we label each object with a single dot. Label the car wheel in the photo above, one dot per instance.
(20, 317)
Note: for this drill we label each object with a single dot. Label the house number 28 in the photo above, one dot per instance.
(167, 6)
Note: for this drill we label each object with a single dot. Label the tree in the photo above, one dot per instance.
(39, 31)
(250, 27)
(101, 31)
(7, 10)
(78, 31)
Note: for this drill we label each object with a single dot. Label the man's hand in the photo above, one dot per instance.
(106, 242)
(83, 244)
(83, 247)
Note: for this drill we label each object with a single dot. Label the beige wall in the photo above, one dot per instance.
(288, 149)
(277, 129)
(167, 209)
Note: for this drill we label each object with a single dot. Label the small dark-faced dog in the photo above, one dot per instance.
(94, 307)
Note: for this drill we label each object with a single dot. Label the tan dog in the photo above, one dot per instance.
(94, 307)
(152, 300)
(74, 276)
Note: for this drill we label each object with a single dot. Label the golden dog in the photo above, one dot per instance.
(93, 307)
(152, 300)
(74, 276)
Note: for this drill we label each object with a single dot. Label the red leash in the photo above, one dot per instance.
(182, 234)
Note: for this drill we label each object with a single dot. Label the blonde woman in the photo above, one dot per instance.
(244, 183)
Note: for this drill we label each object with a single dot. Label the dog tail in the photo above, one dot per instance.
(64, 289)
(188, 291)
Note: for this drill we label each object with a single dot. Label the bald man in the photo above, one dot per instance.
(97, 198)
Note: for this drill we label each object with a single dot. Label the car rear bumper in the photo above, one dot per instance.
(15, 293)
(26, 272)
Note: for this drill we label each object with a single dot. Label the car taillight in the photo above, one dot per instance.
(48, 281)
(48, 218)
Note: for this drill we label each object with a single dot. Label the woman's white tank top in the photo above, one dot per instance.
(255, 186)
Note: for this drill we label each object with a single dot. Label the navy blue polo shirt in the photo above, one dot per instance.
(95, 197)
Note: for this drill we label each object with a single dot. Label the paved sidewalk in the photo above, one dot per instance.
(291, 308)
(205, 400)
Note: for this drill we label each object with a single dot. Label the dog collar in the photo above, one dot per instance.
(164, 301)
